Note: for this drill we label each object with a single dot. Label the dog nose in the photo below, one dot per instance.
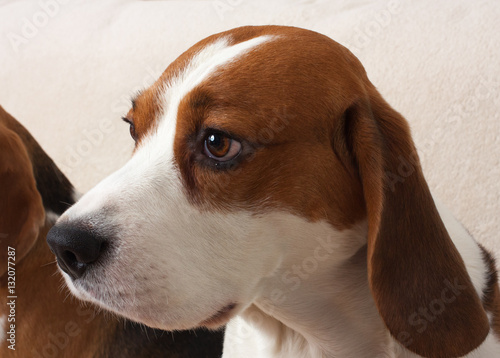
(75, 248)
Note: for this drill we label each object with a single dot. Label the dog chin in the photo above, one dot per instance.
(221, 317)
(214, 321)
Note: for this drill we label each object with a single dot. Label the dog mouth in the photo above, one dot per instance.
(219, 318)
(93, 293)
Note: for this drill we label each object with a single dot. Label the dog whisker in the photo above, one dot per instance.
(49, 263)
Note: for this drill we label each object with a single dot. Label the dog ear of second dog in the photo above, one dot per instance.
(41, 320)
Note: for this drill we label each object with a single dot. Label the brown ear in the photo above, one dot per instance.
(21, 209)
(417, 277)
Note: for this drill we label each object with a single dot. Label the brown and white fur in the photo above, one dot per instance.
(46, 322)
(272, 188)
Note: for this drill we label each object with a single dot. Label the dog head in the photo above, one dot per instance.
(250, 145)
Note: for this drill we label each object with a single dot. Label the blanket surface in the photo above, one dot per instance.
(69, 68)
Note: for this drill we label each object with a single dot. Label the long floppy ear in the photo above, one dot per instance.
(21, 209)
(417, 277)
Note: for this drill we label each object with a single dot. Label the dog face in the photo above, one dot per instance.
(250, 146)
(218, 186)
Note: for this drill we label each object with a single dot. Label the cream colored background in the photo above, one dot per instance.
(68, 69)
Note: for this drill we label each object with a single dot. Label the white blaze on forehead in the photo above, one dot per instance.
(204, 64)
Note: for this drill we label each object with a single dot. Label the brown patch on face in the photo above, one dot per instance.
(147, 106)
(263, 100)
(145, 110)
(283, 165)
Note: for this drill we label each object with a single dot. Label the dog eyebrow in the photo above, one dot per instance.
(200, 99)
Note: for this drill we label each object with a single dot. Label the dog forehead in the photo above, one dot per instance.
(160, 102)
(270, 68)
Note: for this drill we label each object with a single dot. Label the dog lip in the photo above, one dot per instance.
(220, 317)
(65, 268)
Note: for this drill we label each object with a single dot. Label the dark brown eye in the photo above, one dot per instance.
(220, 147)
(132, 128)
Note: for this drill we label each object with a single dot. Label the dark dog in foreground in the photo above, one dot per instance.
(46, 322)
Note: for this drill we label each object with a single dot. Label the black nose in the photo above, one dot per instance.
(75, 247)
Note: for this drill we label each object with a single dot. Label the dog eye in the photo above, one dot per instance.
(220, 147)
(132, 128)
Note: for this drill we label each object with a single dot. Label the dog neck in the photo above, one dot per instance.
(319, 306)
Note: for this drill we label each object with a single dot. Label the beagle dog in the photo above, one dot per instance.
(273, 189)
(36, 317)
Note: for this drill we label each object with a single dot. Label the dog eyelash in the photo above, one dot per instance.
(132, 128)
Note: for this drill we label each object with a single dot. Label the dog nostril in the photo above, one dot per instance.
(75, 248)
(68, 256)
(71, 265)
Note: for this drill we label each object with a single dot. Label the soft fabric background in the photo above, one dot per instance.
(69, 68)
